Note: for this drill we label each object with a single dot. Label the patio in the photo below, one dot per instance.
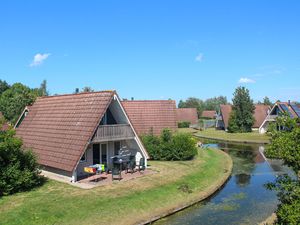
(107, 178)
(91, 181)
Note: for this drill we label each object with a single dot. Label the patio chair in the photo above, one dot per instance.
(116, 172)
(141, 166)
(131, 164)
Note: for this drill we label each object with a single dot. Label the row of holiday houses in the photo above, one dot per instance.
(73, 131)
(263, 115)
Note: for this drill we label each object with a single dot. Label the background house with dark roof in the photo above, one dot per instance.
(187, 115)
(151, 115)
(69, 132)
(260, 113)
(290, 108)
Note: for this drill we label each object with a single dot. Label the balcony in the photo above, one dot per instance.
(113, 133)
(271, 117)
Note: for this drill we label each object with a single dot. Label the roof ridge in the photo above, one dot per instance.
(147, 100)
(81, 93)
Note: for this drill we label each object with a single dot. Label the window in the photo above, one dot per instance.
(117, 148)
(83, 158)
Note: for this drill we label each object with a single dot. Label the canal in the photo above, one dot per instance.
(243, 199)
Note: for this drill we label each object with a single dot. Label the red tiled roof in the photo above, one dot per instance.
(260, 113)
(155, 115)
(187, 114)
(209, 114)
(58, 128)
(225, 111)
(5, 125)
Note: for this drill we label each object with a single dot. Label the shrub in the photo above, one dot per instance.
(18, 168)
(179, 146)
(285, 144)
(152, 144)
(184, 124)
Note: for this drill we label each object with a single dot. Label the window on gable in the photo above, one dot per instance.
(83, 157)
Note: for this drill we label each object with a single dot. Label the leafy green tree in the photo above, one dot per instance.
(192, 103)
(14, 100)
(43, 88)
(3, 86)
(267, 101)
(285, 144)
(200, 105)
(243, 109)
(232, 125)
(76, 91)
(214, 103)
(18, 167)
(87, 89)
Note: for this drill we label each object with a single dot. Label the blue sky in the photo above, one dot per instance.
(154, 49)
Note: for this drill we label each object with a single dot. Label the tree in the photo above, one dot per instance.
(200, 105)
(192, 102)
(232, 125)
(43, 88)
(18, 167)
(285, 144)
(76, 91)
(215, 102)
(267, 101)
(3, 86)
(14, 100)
(87, 89)
(243, 109)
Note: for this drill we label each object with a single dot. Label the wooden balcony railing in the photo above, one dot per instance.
(113, 132)
(271, 117)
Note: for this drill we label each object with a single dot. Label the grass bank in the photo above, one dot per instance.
(176, 185)
(221, 135)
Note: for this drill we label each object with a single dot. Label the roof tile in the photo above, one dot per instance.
(155, 115)
(57, 128)
(187, 114)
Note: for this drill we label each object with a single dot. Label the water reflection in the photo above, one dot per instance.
(245, 158)
(244, 199)
(242, 179)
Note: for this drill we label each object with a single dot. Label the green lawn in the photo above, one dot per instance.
(253, 137)
(123, 202)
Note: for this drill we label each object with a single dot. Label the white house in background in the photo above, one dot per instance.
(278, 109)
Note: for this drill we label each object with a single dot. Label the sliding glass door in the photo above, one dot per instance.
(100, 154)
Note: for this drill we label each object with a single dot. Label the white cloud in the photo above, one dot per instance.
(199, 57)
(245, 80)
(39, 58)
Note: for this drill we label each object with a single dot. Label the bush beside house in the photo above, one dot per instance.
(169, 146)
(18, 168)
(184, 124)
